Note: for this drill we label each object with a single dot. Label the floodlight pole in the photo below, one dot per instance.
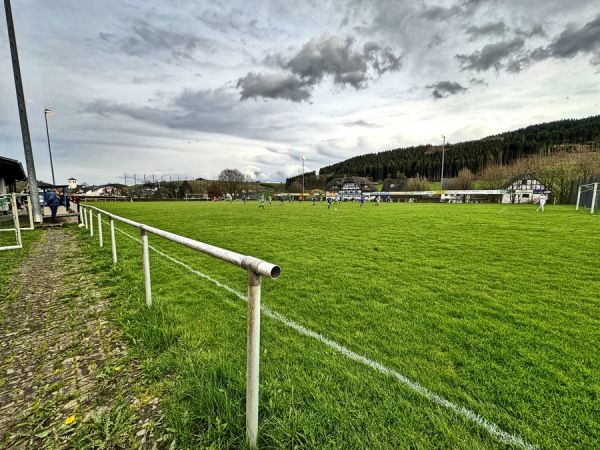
(31, 177)
(302, 158)
(443, 147)
(47, 113)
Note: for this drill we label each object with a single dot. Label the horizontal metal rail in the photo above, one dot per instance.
(256, 268)
(13, 198)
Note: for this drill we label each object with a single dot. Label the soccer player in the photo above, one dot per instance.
(281, 200)
(314, 199)
(378, 200)
(388, 199)
(362, 200)
(261, 201)
(244, 199)
(269, 199)
(543, 199)
(328, 202)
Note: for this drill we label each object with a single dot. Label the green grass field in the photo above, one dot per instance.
(429, 325)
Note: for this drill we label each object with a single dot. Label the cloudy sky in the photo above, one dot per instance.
(181, 89)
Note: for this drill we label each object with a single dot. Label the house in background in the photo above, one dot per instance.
(351, 187)
(11, 171)
(523, 189)
(106, 190)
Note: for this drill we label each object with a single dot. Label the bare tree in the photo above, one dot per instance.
(296, 186)
(464, 180)
(417, 184)
(494, 176)
(232, 181)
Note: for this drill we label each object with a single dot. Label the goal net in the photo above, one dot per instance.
(588, 196)
(196, 197)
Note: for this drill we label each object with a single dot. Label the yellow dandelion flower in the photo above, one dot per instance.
(69, 420)
(117, 368)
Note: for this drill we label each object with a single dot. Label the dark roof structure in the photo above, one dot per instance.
(11, 171)
(363, 184)
(522, 177)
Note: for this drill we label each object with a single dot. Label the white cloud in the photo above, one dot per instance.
(139, 88)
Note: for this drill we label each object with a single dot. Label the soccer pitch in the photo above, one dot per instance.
(406, 325)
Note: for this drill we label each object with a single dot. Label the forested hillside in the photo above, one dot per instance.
(502, 149)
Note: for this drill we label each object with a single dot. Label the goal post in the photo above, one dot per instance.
(196, 197)
(586, 189)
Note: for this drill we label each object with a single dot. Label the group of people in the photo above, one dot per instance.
(330, 200)
(53, 199)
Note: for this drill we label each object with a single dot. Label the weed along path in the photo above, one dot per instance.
(66, 378)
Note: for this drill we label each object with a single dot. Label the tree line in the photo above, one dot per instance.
(503, 149)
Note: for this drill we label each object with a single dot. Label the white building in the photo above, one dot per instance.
(524, 189)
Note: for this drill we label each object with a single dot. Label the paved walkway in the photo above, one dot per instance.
(66, 380)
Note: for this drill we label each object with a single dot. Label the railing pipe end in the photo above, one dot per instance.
(260, 267)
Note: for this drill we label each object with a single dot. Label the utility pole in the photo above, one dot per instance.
(33, 184)
(302, 158)
(443, 146)
(47, 113)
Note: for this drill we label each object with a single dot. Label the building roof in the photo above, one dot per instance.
(338, 183)
(11, 170)
(525, 176)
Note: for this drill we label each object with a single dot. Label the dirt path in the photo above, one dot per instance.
(66, 380)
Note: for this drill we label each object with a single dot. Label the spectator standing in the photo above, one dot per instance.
(52, 201)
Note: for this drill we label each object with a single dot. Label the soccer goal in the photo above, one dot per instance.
(587, 197)
(196, 197)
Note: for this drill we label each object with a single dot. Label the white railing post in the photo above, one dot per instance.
(594, 198)
(30, 212)
(256, 268)
(113, 241)
(15, 213)
(578, 197)
(91, 222)
(83, 214)
(146, 267)
(100, 240)
(253, 358)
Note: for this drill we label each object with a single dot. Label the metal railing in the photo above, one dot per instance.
(256, 269)
(9, 204)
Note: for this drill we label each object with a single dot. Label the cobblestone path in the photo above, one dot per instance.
(66, 380)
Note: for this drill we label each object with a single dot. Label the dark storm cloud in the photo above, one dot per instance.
(535, 30)
(436, 13)
(286, 87)
(205, 110)
(443, 89)
(361, 123)
(146, 39)
(573, 41)
(489, 29)
(491, 55)
(325, 56)
(512, 57)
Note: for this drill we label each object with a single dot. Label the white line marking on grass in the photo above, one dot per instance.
(490, 427)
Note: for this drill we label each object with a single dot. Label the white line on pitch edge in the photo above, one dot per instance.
(490, 427)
